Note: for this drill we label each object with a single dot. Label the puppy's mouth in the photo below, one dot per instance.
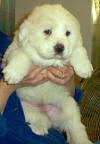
(59, 56)
(54, 55)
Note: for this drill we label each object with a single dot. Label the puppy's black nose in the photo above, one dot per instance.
(59, 48)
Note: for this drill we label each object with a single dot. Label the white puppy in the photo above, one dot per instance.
(50, 36)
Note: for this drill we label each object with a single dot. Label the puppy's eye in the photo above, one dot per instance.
(48, 32)
(68, 33)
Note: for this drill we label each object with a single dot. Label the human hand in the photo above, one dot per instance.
(64, 76)
(34, 77)
(60, 75)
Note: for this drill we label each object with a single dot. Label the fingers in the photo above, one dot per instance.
(55, 71)
(67, 68)
(34, 73)
(62, 72)
(39, 79)
(57, 79)
(33, 67)
(34, 77)
(60, 75)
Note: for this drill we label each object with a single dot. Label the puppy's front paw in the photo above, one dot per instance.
(84, 71)
(39, 128)
(12, 74)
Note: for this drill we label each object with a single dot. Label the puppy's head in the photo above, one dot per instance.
(49, 35)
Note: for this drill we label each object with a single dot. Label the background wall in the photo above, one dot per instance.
(79, 8)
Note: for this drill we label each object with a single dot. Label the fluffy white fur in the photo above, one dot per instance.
(32, 45)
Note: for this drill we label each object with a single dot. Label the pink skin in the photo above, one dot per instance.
(49, 109)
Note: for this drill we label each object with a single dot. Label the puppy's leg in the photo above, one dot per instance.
(17, 67)
(39, 122)
(79, 60)
(72, 123)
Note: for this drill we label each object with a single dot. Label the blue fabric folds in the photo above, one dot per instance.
(78, 95)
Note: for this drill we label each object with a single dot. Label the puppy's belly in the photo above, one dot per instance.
(47, 93)
(50, 110)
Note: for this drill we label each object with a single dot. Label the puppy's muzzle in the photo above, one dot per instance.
(59, 48)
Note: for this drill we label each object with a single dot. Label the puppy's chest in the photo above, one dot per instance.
(47, 93)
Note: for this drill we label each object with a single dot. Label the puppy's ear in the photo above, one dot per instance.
(79, 50)
(80, 61)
